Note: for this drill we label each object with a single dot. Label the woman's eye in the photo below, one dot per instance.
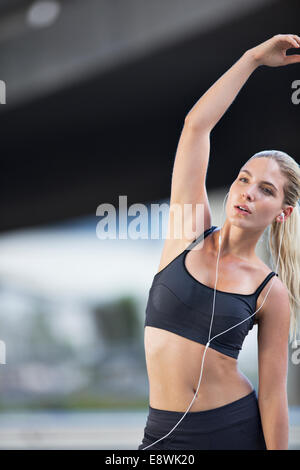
(267, 190)
(243, 178)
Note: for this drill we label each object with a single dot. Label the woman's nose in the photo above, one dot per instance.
(249, 194)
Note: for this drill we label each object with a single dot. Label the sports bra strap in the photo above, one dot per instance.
(262, 285)
(201, 237)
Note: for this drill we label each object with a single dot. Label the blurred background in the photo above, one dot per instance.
(96, 95)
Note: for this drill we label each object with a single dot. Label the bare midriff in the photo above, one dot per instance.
(174, 366)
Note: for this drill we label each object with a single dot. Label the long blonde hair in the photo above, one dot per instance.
(289, 259)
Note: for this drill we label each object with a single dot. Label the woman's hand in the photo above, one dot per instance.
(273, 51)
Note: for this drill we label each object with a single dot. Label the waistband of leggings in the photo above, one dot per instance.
(208, 420)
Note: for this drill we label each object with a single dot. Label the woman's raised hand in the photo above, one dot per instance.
(273, 51)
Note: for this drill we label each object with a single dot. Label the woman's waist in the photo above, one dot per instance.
(170, 391)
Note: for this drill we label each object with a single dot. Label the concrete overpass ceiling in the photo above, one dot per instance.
(93, 37)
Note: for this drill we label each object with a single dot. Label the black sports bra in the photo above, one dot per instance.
(177, 302)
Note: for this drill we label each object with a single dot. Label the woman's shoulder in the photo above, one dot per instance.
(263, 270)
(270, 298)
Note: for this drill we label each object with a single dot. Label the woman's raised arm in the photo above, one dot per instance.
(192, 154)
(213, 104)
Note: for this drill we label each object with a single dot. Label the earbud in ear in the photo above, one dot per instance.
(281, 217)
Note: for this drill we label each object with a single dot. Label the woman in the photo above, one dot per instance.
(226, 413)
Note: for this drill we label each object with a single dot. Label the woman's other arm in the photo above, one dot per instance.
(273, 335)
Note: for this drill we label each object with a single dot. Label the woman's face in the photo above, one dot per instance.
(259, 185)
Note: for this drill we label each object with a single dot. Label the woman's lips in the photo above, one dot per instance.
(240, 211)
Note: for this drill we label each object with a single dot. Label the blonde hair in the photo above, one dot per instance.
(289, 259)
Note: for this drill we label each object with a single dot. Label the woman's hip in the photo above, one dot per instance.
(236, 425)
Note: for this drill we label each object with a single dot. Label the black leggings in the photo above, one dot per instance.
(234, 426)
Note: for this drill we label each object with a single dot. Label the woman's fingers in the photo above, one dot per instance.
(294, 40)
(292, 59)
(290, 39)
(297, 38)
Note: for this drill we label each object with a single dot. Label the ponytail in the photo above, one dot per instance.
(289, 262)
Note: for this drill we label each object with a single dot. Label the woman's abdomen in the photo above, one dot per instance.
(174, 366)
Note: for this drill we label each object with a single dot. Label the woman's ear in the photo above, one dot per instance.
(284, 214)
